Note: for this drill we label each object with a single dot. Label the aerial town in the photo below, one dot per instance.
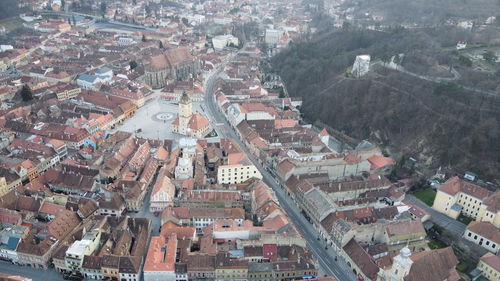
(145, 140)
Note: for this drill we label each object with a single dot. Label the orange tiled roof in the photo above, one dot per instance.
(182, 232)
(197, 122)
(161, 253)
(455, 185)
(51, 209)
(381, 161)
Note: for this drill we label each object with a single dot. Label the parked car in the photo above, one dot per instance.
(74, 277)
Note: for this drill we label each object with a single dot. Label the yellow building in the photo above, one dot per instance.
(489, 264)
(3, 186)
(405, 233)
(230, 269)
(490, 210)
(68, 92)
(238, 173)
(8, 181)
(457, 196)
(235, 168)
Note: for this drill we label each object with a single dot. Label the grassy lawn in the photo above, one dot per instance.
(427, 196)
(212, 134)
(11, 23)
(463, 219)
(436, 244)
(462, 267)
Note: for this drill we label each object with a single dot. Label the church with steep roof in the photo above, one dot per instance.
(189, 124)
(174, 64)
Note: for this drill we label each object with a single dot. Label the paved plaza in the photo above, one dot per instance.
(155, 119)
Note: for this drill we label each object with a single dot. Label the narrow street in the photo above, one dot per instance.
(325, 257)
(455, 227)
(30, 272)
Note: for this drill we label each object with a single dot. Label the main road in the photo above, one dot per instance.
(325, 255)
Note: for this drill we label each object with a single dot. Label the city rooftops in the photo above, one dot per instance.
(78, 248)
(161, 254)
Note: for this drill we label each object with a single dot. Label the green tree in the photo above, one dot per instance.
(385, 56)
(143, 38)
(185, 21)
(489, 56)
(282, 93)
(397, 59)
(133, 64)
(465, 61)
(148, 10)
(346, 26)
(26, 93)
(160, 45)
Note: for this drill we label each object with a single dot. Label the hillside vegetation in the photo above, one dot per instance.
(426, 11)
(8, 8)
(437, 123)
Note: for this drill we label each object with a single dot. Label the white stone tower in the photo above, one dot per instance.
(401, 265)
(185, 112)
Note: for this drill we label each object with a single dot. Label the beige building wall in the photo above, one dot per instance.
(470, 204)
(443, 203)
(488, 271)
(487, 216)
(235, 174)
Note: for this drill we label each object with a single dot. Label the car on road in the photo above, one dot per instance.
(138, 130)
(74, 277)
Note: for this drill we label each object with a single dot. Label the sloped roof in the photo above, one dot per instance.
(433, 265)
(486, 230)
(197, 122)
(491, 260)
(362, 259)
(381, 161)
(404, 227)
(456, 184)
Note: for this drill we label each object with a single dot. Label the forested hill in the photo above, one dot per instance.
(8, 8)
(427, 12)
(437, 123)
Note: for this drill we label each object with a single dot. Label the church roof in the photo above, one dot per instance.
(433, 265)
(178, 55)
(170, 58)
(159, 62)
